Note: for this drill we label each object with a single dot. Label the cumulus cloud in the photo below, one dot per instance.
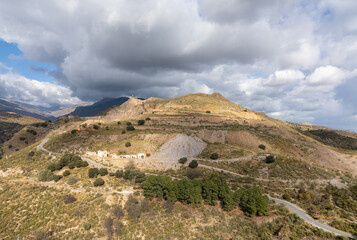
(19, 88)
(288, 58)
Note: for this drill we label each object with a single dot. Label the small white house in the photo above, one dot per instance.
(102, 154)
(141, 155)
(88, 153)
(133, 156)
(115, 156)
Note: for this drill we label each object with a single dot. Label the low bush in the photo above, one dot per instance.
(96, 127)
(182, 160)
(93, 172)
(67, 199)
(45, 176)
(72, 180)
(98, 182)
(141, 122)
(214, 156)
(270, 159)
(22, 138)
(261, 146)
(103, 172)
(74, 131)
(130, 128)
(127, 144)
(193, 164)
(66, 173)
(87, 226)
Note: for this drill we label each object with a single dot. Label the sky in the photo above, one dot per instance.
(295, 60)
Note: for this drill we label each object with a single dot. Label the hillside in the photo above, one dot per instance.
(229, 143)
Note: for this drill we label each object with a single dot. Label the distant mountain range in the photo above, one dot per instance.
(6, 106)
(82, 110)
(98, 107)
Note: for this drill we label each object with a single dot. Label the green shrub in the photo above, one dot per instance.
(208, 111)
(31, 154)
(182, 160)
(119, 174)
(45, 176)
(118, 122)
(10, 146)
(193, 164)
(128, 123)
(127, 144)
(147, 119)
(67, 199)
(103, 172)
(93, 172)
(96, 127)
(141, 122)
(22, 138)
(56, 178)
(66, 173)
(261, 146)
(26, 142)
(107, 128)
(51, 167)
(130, 128)
(269, 159)
(72, 180)
(214, 156)
(74, 131)
(123, 132)
(87, 226)
(98, 182)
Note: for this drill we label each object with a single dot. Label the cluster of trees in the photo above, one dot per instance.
(129, 174)
(213, 191)
(70, 160)
(47, 176)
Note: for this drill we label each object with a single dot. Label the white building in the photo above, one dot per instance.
(133, 156)
(115, 156)
(102, 154)
(88, 153)
(141, 155)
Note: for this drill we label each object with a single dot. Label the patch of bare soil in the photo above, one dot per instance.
(334, 160)
(157, 138)
(244, 138)
(213, 136)
(180, 146)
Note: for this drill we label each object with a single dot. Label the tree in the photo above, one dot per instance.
(141, 122)
(147, 119)
(74, 131)
(119, 123)
(127, 144)
(214, 156)
(96, 127)
(119, 174)
(130, 128)
(193, 164)
(98, 182)
(93, 172)
(103, 172)
(208, 111)
(87, 226)
(128, 123)
(51, 167)
(107, 128)
(269, 159)
(182, 160)
(261, 146)
(210, 191)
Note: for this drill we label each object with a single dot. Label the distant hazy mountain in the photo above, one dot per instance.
(6, 106)
(98, 107)
(67, 110)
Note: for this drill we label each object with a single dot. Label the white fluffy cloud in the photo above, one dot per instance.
(19, 88)
(288, 58)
